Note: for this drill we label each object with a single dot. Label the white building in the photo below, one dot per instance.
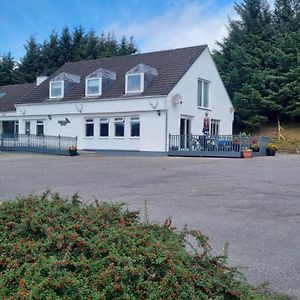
(123, 103)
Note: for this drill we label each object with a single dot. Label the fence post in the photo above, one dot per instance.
(76, 138)
(2, 140)
(59, 142)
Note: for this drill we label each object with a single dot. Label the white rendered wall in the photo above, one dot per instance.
(220, 106)
(152, 126)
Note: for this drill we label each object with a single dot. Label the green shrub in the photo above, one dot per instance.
(55, 248)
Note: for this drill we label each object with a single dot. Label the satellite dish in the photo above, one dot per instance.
(177, 99)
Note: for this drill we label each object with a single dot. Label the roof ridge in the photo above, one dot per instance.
(137, 54)
(18, 84)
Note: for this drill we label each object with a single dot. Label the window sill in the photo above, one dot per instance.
(134, 137)
(119, 137)
(89, 137)
(204, 108)
(103, 137)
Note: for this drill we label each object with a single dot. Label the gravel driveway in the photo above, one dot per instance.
(253, 204)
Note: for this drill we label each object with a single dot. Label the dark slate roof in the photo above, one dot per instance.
(171, 66)
(13, 94)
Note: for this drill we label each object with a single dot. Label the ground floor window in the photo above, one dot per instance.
(89, 127)
(40, 127)
(119, 127)
(10, 127)
(104, 127)
(27, 127)
(135, 126)
(215, 127)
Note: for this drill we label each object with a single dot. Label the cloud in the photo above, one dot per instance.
(189, 24)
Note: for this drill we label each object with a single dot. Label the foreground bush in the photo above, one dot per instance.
(53, 248)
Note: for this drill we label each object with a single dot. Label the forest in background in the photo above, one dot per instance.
(58, 49)
(259, 60)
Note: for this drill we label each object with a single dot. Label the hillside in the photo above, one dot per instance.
(291, 132)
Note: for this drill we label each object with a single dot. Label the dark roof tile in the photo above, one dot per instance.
(170, 64)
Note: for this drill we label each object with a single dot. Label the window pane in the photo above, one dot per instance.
(40, 128)
(89, 129)
(199, 103)
(27, 127)
(135, 126)
(135, 129)
(205, 94)
(104, 130)
(93, 87)
(56, 89)
(119, 129)
(133, 83)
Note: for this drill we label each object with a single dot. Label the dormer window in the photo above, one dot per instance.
(139, 78)
(62, 84)
(93, 86)
(98, 81)
(135, 83)
(56, 89)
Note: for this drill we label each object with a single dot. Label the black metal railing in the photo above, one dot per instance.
(31, 142)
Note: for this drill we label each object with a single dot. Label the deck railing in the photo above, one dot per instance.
(214, 145)
(37, 143)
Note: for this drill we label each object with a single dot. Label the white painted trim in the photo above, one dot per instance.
(62, 89)
(141, 90)
(100, 87)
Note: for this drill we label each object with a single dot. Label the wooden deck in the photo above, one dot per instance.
(215, 145)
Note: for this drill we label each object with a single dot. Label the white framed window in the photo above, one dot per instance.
(104, 127)
(135, 126)
(93, 86)
(56, 89)
(27, 127)
(17, 127)
(119, 127)
(89, 127)
(134, 83)
(39, 127)
(214, 127)
(203, 93)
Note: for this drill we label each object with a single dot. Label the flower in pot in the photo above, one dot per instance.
(73, 150)
(255, 147)
(247, 153)
(271, 149)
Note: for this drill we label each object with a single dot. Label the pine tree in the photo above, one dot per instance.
(50, 54)
(7, 65)
(65, 45)
(31, 65)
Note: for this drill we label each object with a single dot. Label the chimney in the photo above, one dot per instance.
(40, 79)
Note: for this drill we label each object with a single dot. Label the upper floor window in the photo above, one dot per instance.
(99, 81)
(93, 86)
(56, 89)
(203, 93)
(139, 77)
(134, 83)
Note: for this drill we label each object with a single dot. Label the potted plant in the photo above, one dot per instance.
(247, 153)
(255, 147)
(271, 149)
(73, 151)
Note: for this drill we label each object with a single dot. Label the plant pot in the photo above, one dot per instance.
(73, 152)
(270, 152)
(247, 154)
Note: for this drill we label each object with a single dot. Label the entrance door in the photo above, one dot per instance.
(185, 131)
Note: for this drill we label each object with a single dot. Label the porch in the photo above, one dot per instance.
(216, 145)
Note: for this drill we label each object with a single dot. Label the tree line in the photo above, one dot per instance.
(259, 62)
(58, 49)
